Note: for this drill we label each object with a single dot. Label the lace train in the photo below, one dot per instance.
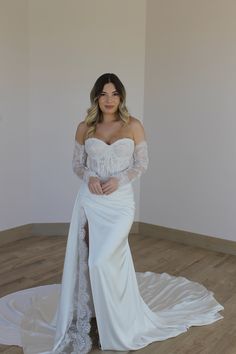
(77, 338)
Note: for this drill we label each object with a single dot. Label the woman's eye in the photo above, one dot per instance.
(114, 94)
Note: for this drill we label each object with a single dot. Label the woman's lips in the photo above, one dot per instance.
(109, 106)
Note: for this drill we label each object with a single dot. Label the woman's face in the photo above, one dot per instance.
(109, 99)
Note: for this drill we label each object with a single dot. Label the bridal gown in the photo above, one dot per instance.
(132, 309)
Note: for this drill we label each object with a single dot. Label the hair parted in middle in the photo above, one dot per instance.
(94, 114)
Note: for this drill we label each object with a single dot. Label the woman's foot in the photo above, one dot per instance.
(99, 344)
(94, 333)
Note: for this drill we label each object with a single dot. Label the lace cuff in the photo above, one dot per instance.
(140, 163)
(79, 163)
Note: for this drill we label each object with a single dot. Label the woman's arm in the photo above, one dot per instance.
(79, 162)
(140, 156)
(80, 156)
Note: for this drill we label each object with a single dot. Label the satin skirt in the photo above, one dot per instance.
(132, 309)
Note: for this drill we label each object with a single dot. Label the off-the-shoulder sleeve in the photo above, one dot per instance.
(79, 165)
(139, 166)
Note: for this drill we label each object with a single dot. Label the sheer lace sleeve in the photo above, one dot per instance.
(79, 163)
(139, 166)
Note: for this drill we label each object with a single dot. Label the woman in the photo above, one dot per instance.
(105, 145)
(99, 280)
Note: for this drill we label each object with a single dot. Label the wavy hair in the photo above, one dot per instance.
(94, 113)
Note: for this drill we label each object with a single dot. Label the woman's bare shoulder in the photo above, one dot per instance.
(134, 120)
(137, 129)
(81, 131)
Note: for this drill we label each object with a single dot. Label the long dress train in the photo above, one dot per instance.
(132, 309)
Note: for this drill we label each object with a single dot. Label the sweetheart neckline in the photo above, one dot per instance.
(93, 138)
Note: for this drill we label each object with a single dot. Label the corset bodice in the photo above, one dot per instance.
(106, 160)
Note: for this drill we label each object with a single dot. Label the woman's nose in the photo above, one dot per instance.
(109, 98)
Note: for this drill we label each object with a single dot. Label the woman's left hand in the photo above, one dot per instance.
(110, 185)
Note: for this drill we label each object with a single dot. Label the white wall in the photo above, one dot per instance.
(71, 43)
(14, 120)
(190, 95)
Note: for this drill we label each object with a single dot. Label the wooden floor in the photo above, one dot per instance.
(38, 260)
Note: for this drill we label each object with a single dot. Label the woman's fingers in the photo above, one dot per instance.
(110, 186)
(97, 188)
(95, 185)
(108, 189)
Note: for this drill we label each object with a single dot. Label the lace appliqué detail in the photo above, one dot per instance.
(140, 164)
(77, 338)
(79, 163)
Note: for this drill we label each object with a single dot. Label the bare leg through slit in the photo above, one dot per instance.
(94, 328)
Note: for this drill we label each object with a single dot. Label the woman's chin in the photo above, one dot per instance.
(109, 111)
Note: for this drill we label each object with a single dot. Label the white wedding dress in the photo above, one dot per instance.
(132, 309)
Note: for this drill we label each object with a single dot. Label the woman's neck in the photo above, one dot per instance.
(109, 118)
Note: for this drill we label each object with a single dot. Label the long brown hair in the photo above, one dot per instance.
(94, 114)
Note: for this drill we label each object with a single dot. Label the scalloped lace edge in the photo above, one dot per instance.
(77, 338)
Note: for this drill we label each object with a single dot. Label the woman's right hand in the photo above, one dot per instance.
(94, 185)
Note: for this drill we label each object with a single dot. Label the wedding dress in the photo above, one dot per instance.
(132, 309)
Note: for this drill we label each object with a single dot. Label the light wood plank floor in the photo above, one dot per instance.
(39, 260)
